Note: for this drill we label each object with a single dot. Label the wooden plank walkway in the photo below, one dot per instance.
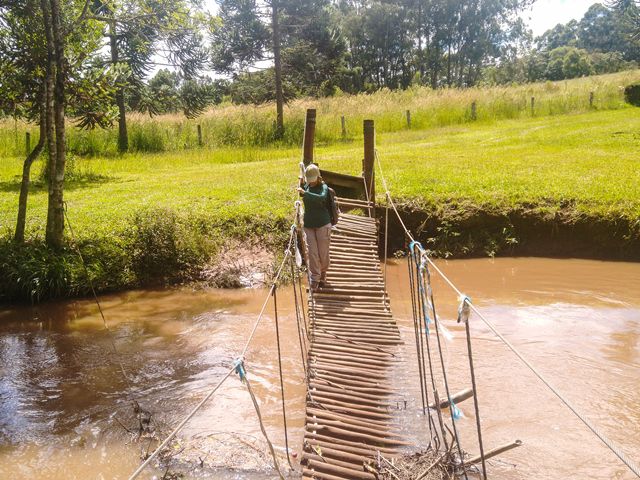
(353, 342)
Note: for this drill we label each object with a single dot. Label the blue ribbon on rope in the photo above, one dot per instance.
(423, 295)
(239, 367)
(457, 413)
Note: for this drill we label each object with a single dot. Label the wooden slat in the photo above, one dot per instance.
(353, 338)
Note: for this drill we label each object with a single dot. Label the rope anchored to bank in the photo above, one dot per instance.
(465, 308)
(240, 368)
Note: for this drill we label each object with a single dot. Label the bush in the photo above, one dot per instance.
(632, 94)
(33, 272)
(163, 248)
(157, 247)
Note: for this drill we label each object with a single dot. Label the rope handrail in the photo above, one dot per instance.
(237, 363)
(594, 429)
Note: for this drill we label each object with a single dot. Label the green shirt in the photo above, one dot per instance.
(316, 213)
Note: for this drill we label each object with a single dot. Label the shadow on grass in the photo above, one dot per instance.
(72, 181)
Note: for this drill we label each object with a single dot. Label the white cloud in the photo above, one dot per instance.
(546, 14)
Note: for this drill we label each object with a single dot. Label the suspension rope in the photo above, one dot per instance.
(110, 334)
(418, 336)
(180, 426)
(452, 407)
(386, 239)
(238, 366)
(239, 369)
(463, 315)
(594, 429)
(284, 410)
(299, 328)
(423, 306)
(417, 329)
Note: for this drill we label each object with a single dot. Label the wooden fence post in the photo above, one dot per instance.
(474, 113)
(344, 127)
(28, 142)
(591, 99)
(309, 136)
(199, 135)
(533, 106)
(368, 164)
(408, 118)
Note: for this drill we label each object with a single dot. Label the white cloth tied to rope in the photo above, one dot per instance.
(464, 309)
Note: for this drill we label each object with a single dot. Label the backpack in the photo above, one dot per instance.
(332, 206)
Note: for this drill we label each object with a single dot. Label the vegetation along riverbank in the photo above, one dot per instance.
(563, 181)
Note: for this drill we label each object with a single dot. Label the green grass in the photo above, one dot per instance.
(590, 161)
(248, 126)
(579, 167)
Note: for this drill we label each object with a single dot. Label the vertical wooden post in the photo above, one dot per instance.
(533, 106)
(474, 113)
(591, 98)
(344, 127)
(368, 164)
(408, 118)
(199, 135)
(309, 136)
(28, 143)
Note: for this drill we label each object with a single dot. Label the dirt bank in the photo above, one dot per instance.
(457, 231)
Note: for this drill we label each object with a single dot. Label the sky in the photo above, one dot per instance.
(546, 14)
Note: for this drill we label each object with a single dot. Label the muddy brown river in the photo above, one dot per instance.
(65, 406)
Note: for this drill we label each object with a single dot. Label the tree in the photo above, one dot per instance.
(48, 72)
(22, 85)
(241, 39)
(628, 12)
(559, 36)
(141, 31)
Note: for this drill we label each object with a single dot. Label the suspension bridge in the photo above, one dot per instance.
(349, 342)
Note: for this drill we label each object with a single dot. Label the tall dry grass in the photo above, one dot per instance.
(251, 126)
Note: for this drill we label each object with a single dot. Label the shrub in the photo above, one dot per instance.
(33, 272)
(632, 94)
(163, 248)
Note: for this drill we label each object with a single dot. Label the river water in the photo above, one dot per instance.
(65, 405)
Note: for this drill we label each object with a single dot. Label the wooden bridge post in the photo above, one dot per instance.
(309, 136)
(368, 164)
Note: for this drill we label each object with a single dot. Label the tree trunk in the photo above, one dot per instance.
(123, 135)
(55, 231)
(26, 171)
(278, 69)
(48, 111)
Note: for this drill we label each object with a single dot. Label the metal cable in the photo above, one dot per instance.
(264, 431)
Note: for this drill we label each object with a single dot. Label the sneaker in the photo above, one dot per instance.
(314, 286)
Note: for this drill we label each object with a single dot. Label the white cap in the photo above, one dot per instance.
(311, 173)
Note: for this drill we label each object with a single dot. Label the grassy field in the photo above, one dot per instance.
(247, 126)
(467, 189)
(589, 161)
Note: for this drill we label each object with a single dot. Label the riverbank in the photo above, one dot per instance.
(551, 186)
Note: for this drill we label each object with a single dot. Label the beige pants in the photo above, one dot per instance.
(318, 242)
